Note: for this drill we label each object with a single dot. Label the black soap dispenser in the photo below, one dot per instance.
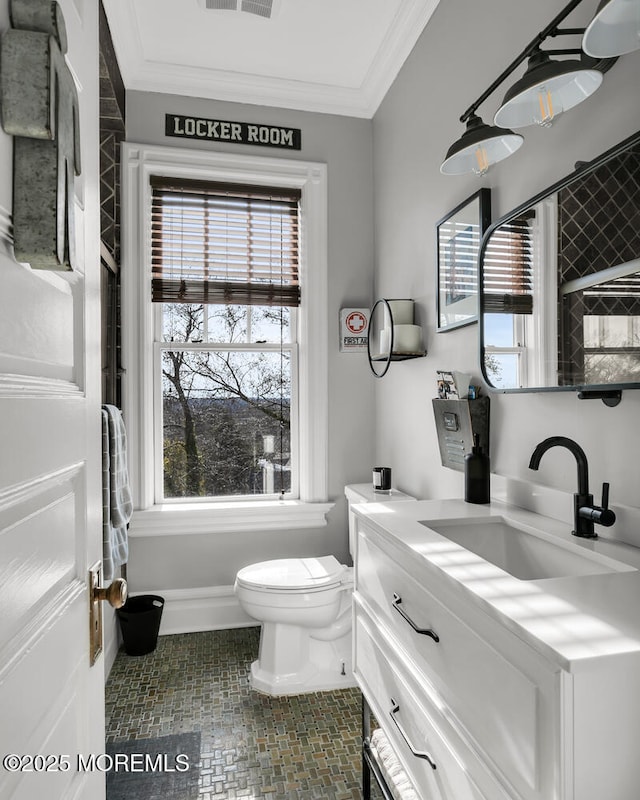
(476, 474)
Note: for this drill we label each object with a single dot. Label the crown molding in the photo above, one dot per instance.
(141, 74)
(400, 40)
(234, 87)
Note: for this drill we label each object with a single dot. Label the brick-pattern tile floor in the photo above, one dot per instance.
(253, 747)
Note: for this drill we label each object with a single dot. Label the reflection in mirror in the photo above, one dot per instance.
(458, 237)
(560, 278)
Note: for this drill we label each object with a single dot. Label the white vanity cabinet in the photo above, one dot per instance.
(473, 710)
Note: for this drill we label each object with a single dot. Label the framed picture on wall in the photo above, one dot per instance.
(458, 237)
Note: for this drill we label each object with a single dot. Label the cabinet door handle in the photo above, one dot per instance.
(417, 753)
(397, 601)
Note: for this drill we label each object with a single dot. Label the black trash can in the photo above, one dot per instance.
(140, 622)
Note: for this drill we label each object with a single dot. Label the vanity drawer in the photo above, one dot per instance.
(505, 702)
(440, 766)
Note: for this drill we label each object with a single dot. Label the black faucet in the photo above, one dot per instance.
(585, 513)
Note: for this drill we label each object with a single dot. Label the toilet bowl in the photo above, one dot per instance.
(304, 607)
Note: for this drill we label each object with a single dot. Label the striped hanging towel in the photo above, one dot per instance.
(117, 505)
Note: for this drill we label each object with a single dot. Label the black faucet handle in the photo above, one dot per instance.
(586, 510)
(607, 517)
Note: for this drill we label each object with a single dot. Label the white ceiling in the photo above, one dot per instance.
(331, 56)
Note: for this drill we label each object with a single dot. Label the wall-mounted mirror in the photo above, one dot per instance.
(560, 283)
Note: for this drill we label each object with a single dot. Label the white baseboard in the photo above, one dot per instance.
(208, 608)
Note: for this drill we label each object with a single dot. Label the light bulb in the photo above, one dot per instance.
(482, 161)
(546, 107)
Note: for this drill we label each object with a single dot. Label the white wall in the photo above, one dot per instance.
(394, 163)
(464, 48)
(345, 145)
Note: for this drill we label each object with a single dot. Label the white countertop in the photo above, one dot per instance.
(570, 620)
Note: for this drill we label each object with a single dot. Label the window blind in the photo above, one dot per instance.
(224, 243)
(508, 268)
(616, 297)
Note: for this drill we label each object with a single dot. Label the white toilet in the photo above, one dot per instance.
(304, 605)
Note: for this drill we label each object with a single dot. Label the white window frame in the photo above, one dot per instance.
(544, 334)
(140, 162)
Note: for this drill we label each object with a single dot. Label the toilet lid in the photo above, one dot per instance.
(293, 573)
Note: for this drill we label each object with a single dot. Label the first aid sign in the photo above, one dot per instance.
(354, 329)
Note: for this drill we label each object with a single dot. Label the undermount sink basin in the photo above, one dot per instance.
(523, 552)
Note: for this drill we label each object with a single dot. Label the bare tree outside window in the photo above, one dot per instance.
(611, 348)
(226, 400)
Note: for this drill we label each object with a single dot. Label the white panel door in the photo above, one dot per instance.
(51, 699)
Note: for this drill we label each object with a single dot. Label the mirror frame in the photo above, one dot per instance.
(608, 392)
(381, 357)
(476, 207)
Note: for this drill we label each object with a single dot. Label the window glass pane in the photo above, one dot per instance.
(590, 330)
(233, 324)
(502, 369)
(227, 323)
(611, 331)
(182, 322)
(226, 423)
(498, 330)
(266, 322)
(248, 323)
(612, 367)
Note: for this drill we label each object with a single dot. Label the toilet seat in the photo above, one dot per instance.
(293, 574)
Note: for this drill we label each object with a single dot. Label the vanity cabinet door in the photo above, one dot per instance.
(491, 686)
(427, 747)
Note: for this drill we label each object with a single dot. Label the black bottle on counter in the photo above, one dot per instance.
(476, 474)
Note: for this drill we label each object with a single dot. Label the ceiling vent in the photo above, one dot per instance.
(261, 8)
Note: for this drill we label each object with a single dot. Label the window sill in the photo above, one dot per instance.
(177, 519)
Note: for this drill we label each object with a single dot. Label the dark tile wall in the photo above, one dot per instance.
(112, 133)
(598, 227)
(110, 192)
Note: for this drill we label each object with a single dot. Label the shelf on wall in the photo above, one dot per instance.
(398, 356)
(383, 329)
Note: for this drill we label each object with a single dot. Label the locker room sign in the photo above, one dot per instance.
(219, 130)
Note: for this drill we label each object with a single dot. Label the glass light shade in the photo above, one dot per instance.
(546, 90)
(615, 29)
(478, 148)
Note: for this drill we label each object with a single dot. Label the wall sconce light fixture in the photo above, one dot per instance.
(548, 87)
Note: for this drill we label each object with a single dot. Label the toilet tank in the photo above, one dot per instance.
(364, 493)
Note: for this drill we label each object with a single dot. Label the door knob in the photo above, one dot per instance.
(115, 594)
